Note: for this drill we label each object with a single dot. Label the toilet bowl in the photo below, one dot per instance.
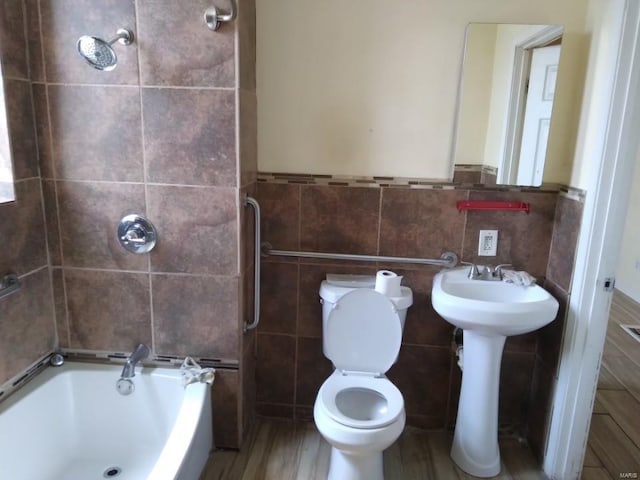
(357, 409)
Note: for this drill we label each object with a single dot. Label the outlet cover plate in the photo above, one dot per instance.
(488, 243)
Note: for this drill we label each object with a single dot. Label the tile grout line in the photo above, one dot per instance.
(296, 338)
(554, 233)
(26, 17)
(240, 208)
(145, 180)
(154, 184)
(133, 85)
(49, 263)
(17, 79)
(52, 165)
(42, 56)
(622, 427)
(299, 273)
(27, 179)
(464, 226)
(33, 272)
(295, 379)
(25, 31)
(143, 272)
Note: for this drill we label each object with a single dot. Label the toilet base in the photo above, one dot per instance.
(356, 453)
(355, 467)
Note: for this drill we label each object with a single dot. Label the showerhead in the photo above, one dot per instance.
(98, 52)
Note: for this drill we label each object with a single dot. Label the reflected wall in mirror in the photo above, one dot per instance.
(7, 193)
(507, 93)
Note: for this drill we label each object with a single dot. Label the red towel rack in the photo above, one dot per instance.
(485, 205)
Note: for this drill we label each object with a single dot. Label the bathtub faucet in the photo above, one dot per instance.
(140, 353)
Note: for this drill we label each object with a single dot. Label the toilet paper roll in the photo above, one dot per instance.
(388, 283)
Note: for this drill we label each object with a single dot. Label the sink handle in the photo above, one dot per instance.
(503, 265)
(473, 270)
(498, 270)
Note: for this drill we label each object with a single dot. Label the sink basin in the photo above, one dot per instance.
(491, 306)
(487, 312)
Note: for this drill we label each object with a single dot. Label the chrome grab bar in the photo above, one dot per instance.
(256, 264)
(214, 17)
(9, 284)
(446, 260)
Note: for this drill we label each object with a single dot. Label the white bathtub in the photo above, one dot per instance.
(70, 423)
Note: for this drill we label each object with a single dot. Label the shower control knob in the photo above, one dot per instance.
(137, 234)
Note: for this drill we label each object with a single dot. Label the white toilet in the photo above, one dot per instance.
(358, 410)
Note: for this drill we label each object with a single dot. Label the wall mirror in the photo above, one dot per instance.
(7, 192)
(507, 91)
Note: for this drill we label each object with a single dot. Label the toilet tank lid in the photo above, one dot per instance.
(332, 289)
(352, 281)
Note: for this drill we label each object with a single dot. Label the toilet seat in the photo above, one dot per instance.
(339, 387)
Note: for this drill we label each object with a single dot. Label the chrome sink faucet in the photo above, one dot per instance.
(489, 272)
(140, 353)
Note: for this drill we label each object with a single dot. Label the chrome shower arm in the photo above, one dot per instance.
(123, 36)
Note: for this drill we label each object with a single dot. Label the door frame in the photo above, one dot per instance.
(610, 147)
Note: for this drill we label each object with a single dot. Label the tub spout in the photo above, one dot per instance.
(140, 353)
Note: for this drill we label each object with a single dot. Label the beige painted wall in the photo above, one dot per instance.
(628, 273)
(601, 48)
(475, 98)
(366, 87)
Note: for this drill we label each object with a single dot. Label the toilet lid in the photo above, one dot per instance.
(363, 332)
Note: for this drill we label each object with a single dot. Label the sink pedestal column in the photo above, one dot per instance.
(475, 442)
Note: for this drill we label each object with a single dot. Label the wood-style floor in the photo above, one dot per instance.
(613, 449)
(280, 450)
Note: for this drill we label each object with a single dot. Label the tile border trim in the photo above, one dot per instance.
(408, 182)
(19, 380)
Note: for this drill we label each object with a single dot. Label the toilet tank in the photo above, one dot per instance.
(337, 285)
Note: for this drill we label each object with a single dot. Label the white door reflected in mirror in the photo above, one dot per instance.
(507, 93)
(7, 192)
(537, 115)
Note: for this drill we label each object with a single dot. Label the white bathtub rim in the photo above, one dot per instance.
(176, 449)
(178, 446)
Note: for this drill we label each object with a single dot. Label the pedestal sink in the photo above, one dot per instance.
(487, 311)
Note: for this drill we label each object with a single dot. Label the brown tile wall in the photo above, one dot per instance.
(475, 174)
(568, 219)
(399, 222)
(169, 136)
(107, 148)
(27, 326)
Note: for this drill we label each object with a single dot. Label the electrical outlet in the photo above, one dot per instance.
(488, 243)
